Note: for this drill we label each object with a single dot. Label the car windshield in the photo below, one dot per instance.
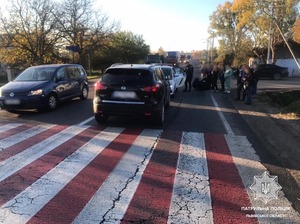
(36, 74)
(178, 70)
(127, 76)
(167, 71)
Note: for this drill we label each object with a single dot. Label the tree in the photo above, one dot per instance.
(81, 26)
(29, 34)
(128, 47)
(258, 16)
(225, 24)
(161, 51)
(124, 47)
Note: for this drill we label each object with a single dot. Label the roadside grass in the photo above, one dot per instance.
(287, 101)
(95, 74)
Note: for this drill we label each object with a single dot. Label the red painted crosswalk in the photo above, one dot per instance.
(83, 174)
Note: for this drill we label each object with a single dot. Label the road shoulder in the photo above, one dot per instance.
(279, 134)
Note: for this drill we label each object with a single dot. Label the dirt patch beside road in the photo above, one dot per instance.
(275, 118)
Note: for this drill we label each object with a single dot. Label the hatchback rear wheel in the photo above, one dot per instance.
(84, 93)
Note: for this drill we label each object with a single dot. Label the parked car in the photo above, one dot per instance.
(180, 76)
(272, 71)
(44, 86)
(134, 90)
(169, 73)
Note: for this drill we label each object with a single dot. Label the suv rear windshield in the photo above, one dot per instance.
(127, 76)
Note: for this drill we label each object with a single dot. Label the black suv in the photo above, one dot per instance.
(136, 90)
(42, 87)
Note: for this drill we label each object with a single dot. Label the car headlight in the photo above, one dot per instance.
(36, 92)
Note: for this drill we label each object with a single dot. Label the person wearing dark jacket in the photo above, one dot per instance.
(214, 78)
(249, 84)
(221, 77)
(240, 83)
(189, 70)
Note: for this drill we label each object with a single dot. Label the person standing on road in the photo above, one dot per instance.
(221, 77)
(214, 78)
(240, 84)
(189, 70)
(249, 84)
(227, 75)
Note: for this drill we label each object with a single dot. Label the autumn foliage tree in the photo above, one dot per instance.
(250, 25)
(49, 31)
(28, 33)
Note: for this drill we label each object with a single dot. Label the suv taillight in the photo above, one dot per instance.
(152, 89)
(100, 86)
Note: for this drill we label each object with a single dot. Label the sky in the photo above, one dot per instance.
(172, 24)
(175, 25)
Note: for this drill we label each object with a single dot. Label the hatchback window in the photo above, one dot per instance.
(73, 72)
(127, 76)
(81, 71)
(62, 74)
(36, 74)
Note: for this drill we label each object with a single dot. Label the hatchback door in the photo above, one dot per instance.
(74, 80)
(133, 86)
(63, 87)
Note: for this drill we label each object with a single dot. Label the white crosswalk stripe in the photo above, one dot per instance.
(191, 202)
(9, 141)
(7, 127)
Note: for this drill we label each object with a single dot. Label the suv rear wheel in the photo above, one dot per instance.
(168, 100)
(160, 117)
(101, 119)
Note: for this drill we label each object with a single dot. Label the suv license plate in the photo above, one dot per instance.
(124, 95)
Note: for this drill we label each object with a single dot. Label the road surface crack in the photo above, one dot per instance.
(129, 180)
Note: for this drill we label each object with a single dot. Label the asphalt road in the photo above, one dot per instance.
(197, 168)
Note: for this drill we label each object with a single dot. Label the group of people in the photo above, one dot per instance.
(247, 80)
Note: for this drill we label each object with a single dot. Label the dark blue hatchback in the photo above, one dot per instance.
(43, 87)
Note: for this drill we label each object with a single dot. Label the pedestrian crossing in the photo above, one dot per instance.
(85, 174)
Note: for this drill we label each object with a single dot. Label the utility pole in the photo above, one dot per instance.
(273, 20)
(207, 50)
(287, 44)
(212, 49)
